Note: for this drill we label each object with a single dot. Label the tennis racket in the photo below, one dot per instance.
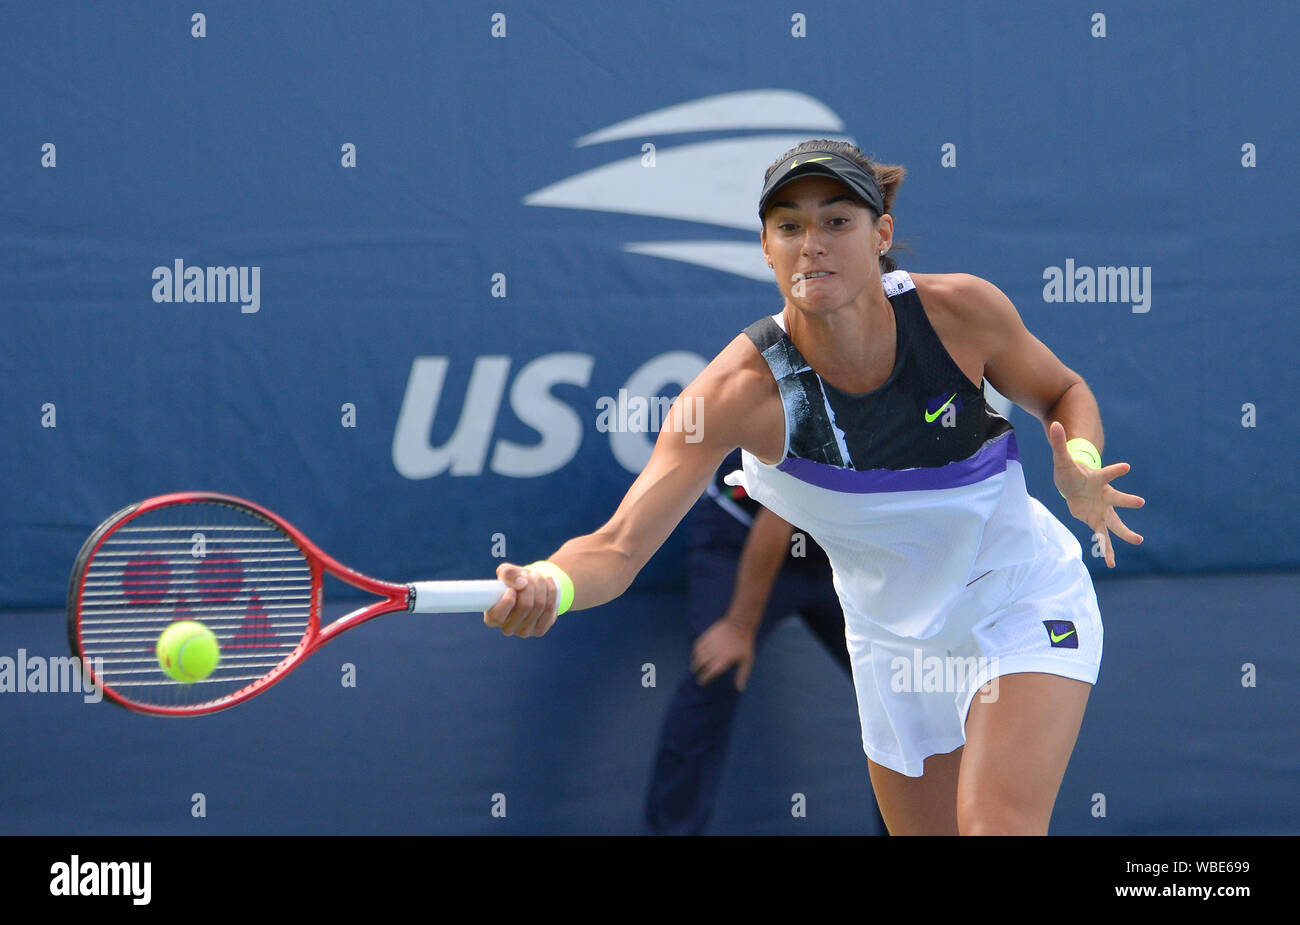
(242, 571)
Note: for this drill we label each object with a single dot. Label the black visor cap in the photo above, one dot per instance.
(822, 163)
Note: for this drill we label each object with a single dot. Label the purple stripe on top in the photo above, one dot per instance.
(990, 460)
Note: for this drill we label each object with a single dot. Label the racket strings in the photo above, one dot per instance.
(224, 566)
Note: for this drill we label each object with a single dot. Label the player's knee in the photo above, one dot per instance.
(993, 816)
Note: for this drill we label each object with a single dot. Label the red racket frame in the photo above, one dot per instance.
(397, 597)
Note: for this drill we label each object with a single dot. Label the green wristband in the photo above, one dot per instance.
(562, 581)
(1084, 453)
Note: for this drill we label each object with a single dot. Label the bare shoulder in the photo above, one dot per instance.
(963, 293)
(965, 304)
(986, 328)
(741, 400)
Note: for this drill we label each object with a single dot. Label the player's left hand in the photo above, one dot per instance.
(1089, 494)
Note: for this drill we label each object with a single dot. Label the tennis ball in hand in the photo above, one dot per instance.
(188, 651)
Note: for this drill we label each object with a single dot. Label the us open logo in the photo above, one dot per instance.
(712, 182)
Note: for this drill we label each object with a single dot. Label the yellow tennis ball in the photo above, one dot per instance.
(188, 651)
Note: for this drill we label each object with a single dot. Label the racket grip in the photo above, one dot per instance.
(455, 596)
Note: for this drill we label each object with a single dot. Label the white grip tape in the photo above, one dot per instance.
(456, 596)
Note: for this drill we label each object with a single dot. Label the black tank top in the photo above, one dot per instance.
(926, 414)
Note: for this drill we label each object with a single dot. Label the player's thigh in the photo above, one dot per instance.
(925, 805)
(1018, 745)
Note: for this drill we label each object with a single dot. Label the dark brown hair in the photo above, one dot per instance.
(888, 178)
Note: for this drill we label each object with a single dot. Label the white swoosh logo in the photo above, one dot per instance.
(711, 182)
(738, 257)
(746, 109)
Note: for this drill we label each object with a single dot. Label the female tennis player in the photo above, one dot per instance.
(860, 412)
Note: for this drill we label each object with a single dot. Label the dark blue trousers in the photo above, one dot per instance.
(697, 728)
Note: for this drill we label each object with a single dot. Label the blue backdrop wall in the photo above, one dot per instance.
(451, 230)
(516, 162)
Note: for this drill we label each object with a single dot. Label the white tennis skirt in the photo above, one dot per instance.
(914, 694)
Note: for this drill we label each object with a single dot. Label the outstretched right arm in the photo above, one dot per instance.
(721, 401)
